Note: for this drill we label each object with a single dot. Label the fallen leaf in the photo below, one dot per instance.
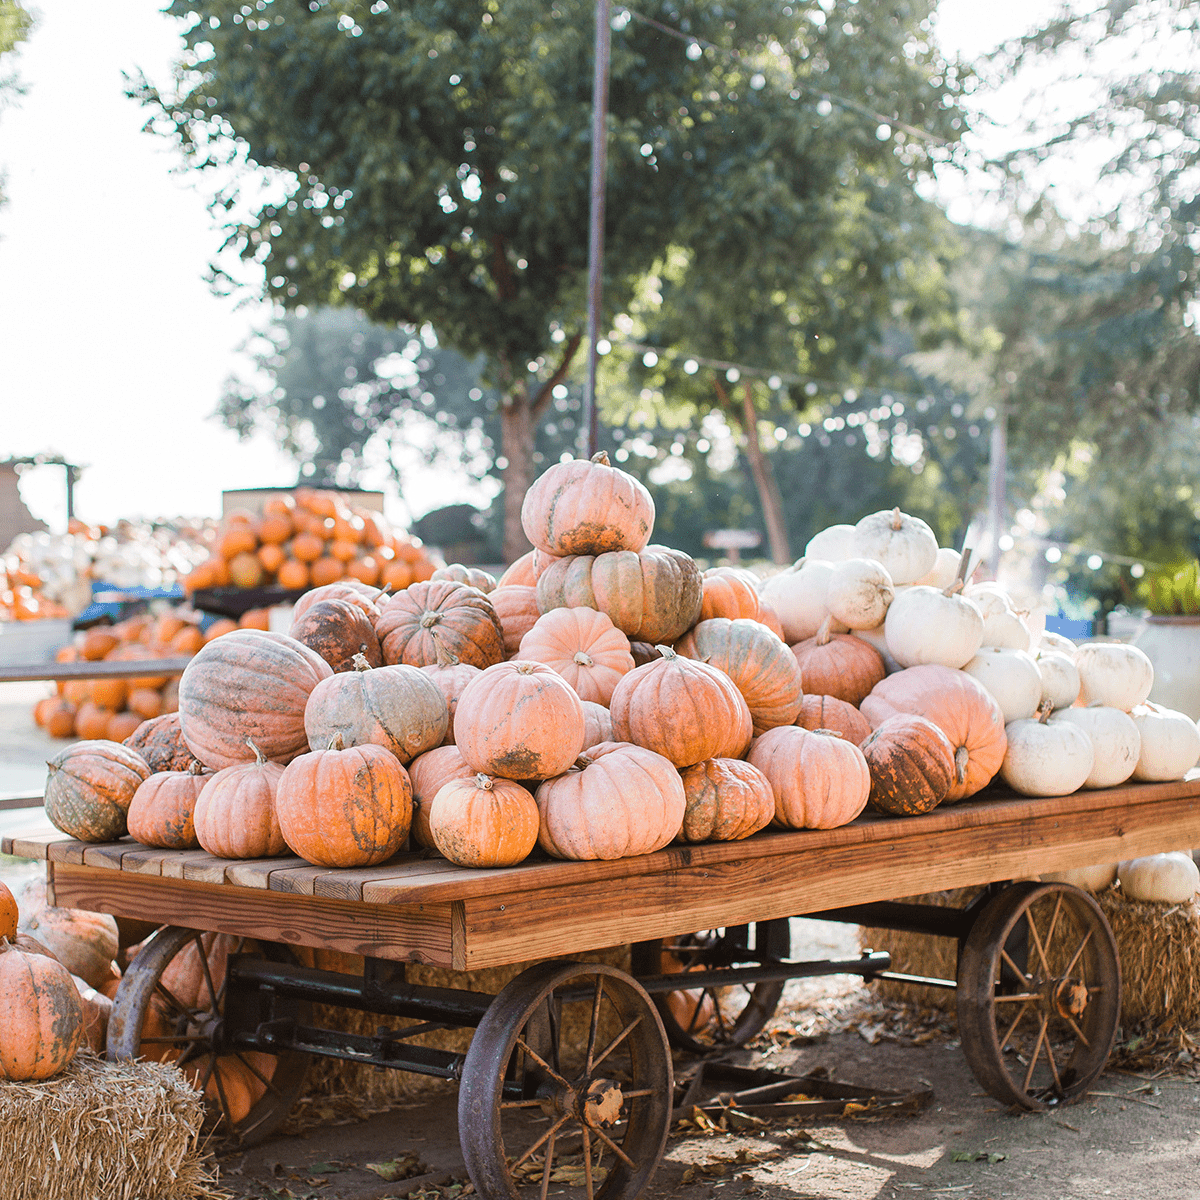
(404, 1167)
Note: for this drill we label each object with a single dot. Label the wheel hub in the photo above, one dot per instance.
(1070, 998)
(602, 1102)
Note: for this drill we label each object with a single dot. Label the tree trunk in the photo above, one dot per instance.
(516, 444)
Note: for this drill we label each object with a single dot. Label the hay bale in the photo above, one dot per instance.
(121, 1131)
(376, 1087)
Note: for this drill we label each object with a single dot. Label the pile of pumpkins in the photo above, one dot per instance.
(604, 697)
(113, 708)
(307, 539)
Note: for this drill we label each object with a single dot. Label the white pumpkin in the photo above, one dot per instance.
(1044, 759)
(1034, 620)
(1060, 679)
(859, 592)
(1055, 641)
(877, 637)
(990, 597)
(933, 625)
(1005, 629)
(1114, 674)
(1171, 878)
(1011, 676)
(905, 545)
(798, 598)
(1170, 742)
(1115, 741)
(835, 543)
(945, 569)
(1093, 879)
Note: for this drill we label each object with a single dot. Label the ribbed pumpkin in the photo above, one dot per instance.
(484, 822)
(616, 800)
(162, 810)
(727, 800)
(248, 684)
(399, 708)
(84, 942)
(235, 811)
(89, 787)
(820, 780)
(584, 647)
(43, 1016)
(348, 806)
(338, 630)
(912, 765)
(587, 507)
(8, 913)
(364, 595)
(728, 593)
(683, 709)
(961, 707)
(428, 773)
(517, 610)
(450, 677)
(836, 664)
(828, 712)
(597, 724)
(519, 720)
(461, 618)
(765, 670)
(475, 577)
(652, 596)
(520, 573)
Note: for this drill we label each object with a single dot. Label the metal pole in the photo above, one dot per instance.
(596, 215)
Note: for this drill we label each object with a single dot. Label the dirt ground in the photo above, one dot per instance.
(1135, 1136)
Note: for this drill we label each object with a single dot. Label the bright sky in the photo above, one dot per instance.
(114, 350)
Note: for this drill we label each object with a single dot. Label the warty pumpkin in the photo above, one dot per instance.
(89, 787)
(43, 1015)
(235, 812)
(338, 630)
(584, 647)
(461, 618)
(837, 664)
(727, 800)
(248, 684)
(519, 720)
(428, 773)
(163, 807)
(348, 806)
(484, 822)
(683, 709)
(819, 779)
(616, 800)
(911, 763)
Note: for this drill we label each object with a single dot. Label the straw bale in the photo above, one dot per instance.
(376, 1087)
(104, 1131)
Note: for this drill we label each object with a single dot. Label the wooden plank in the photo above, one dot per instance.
(29, 843)
(406, 934)
(216, 870)
(121, 669)
(256, 872)
(66, 850)
(109, 854)
(177, 861)
(522, 924)
(350, 884)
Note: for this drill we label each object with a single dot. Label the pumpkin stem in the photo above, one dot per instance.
(484, 782)
(601, 458)
(962, 756)
(429, 619)
(337, 742)
(897, 518)
(1044, 710)
(837, 733)
(525, 667)
(582, 660)
(444, 657)
(260, 758)
(953, 589)
(667, 652)
(825, 632)
(360, 661)
(196, 767)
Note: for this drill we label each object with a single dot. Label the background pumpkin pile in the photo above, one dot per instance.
(604, 697)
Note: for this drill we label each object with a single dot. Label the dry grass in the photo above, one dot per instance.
(123, 1131)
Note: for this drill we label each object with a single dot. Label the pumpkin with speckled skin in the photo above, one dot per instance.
(617, 800)
(89, 788)
(484, 821)
(338, 630)
(828, 712)
(248, 684)
(84, 942)
(8, 913)
(412, 624)
(235, 812)
(820, 780)
(162, 810)
(348, 806)
(364, 595)
(43, 1015)
(727, 800)
(912, 765)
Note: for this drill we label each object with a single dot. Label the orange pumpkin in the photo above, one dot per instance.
(462, 619)
(338, 631)
(293, 575)
(428, 773)
(820, 780)
(451, 678)
(828, 712)
(272, 557)
(348, 806)
(8, 913)
(121, 725)
(352, 591)
(911, 763)
(765, 670)
(617, 800)
(161, 812)
(219, 627)
(326, 570)
(84, 942)
(484, 822)
(43, 1016)
(91, 721)
(145, 703)
(770, 618)
(517, 611)
(584, 647)
(960, 706)
(399, 708)
(159, 741)
(587, 507)
(683, 709)
(248, 684)
(519, 720)
(60, 719)
(597, 724)
(235, 811)
(90, 786)
(475, 577)
(727, 800)
(728, 593)
(837, 664)
(98, 644)
(245, 570)
(520, 573)
(275, 528)
(110, 693)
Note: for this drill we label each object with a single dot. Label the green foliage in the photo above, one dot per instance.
(1173, 591)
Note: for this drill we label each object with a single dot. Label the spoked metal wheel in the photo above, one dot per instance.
(170, 1006)
(1039, 994)
(568, 1083)
(706, 1019)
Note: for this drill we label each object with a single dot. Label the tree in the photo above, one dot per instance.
(434, 155)
(15, 27)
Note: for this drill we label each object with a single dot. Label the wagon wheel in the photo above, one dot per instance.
(701, 1020)
(248, 1093)
(1039, 994)
(567, 1081)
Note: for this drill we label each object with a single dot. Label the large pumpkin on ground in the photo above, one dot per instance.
(415, 621)
(727, 800)
(43, 1016)
(651, 596)
(484, 822)
(89, 787)
(617, 800)
(911, 763)
(820, 780)
(248, 684)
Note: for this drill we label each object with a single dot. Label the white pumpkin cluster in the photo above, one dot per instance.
(1076, 717)
(1170, 878)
